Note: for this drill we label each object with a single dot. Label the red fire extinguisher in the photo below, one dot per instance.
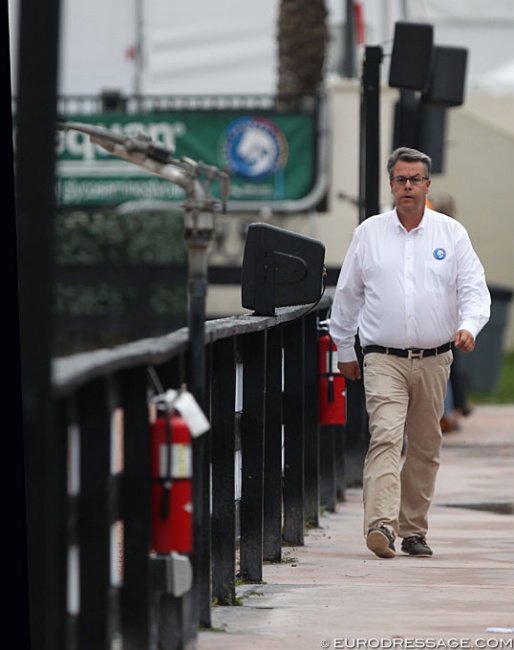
(331, 384)
(172, 491)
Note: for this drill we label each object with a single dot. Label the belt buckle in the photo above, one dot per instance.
(415, 354)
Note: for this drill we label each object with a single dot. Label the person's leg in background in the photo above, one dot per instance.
(460, 386)
(449, 421)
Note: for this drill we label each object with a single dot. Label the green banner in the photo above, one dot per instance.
(269, 157)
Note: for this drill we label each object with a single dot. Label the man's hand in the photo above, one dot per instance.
(465, 341)
(350, 369)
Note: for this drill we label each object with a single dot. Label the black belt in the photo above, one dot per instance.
(411, 353)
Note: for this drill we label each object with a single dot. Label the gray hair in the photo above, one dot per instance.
(406, 154)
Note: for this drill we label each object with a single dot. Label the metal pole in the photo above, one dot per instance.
(369, 184)
(200, 208)
(349, 41)
(405, 10)
(199, 232)
(138, 54)
(357, 434)
(44, 442)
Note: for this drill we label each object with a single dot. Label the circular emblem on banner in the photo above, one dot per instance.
(439, 253)
(254, 147)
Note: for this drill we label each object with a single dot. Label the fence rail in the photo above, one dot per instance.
(263, 476)
(117, 102)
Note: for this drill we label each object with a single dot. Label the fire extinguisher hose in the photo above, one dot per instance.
(330, 388)
(330, 372)
(166, 488)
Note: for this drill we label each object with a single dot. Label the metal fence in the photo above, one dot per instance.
(117, 102)
(262, 473)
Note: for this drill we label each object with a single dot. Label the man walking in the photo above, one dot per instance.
(410, 285)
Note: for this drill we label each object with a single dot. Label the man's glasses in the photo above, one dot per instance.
(413, 180)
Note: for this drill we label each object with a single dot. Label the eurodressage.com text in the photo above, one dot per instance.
(424, 644)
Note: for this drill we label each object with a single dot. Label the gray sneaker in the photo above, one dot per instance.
(416, 545)
(381, 542)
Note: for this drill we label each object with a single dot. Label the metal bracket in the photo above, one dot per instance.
(171, 573)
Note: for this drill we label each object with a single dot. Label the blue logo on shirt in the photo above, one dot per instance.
(439, 253)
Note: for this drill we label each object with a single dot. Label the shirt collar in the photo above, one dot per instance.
(400, 228)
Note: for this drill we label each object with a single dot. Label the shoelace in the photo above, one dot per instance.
(387, 532)
(415, 538)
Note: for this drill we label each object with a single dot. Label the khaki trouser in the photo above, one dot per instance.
(403, 396)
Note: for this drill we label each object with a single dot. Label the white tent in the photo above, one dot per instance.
(497, 82)
(229, 46)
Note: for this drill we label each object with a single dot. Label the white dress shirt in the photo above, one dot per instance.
(405, 289)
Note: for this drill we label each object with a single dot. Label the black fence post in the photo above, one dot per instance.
(340, 453)
(135, 504)
(97, 621)
(223, 470)
(312, 430)
(294, 432)
(328, 496)
(196, 381)
(252, 438)
(272, 544)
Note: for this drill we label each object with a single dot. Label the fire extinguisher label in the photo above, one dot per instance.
(180, 463)
(331, 362)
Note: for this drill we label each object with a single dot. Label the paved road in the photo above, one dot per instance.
(332, 592)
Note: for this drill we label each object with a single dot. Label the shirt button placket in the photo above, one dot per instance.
(409, 289)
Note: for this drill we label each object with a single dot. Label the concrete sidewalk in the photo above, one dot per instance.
(332, 592)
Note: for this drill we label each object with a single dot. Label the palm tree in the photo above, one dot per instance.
(302, 38)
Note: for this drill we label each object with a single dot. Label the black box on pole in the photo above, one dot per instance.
(280, 268)
(411, 59)
(446, 87)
